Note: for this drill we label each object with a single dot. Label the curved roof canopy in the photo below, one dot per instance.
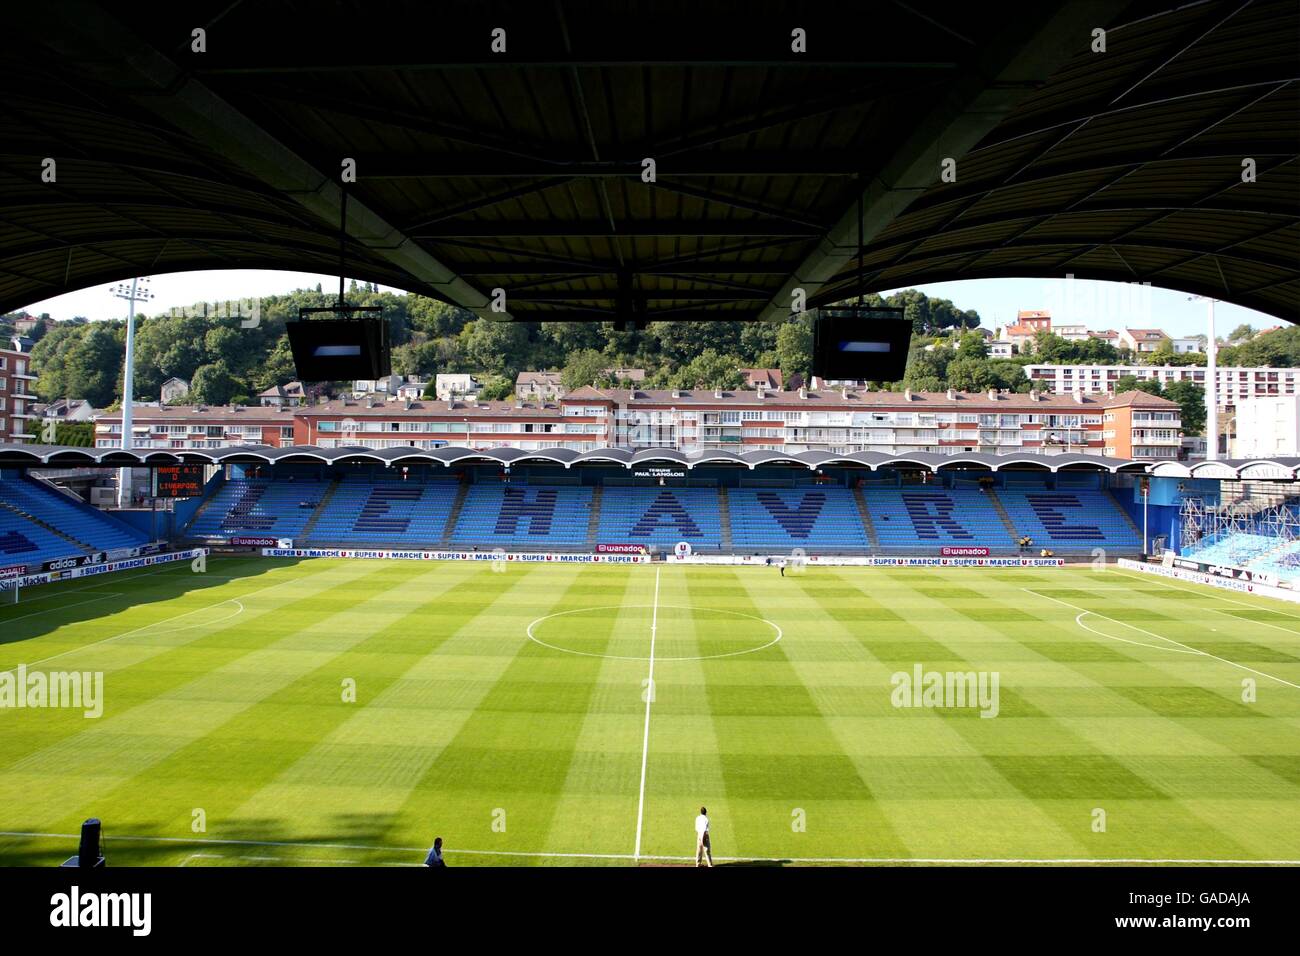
(526, 170)
(64, 456)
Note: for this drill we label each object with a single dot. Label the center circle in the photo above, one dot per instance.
(777, 633)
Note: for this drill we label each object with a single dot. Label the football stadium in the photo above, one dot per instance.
(331, 655)
(560, 444)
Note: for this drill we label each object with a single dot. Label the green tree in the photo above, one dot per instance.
(213, 384)
(1191, 399)
(497, 389)
(498, 347)
(77, 434)
(583, 368)
(970, 375)
(972, 346)
(1131, 383)
(794, 347)
(709, 370)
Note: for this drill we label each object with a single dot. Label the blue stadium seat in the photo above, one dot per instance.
(1071, 520)
(259, 506)
(22, 541)
(823, 517)
(931, 516)
(661, 517)
(395, 514)
(524, 516)
(89, 526)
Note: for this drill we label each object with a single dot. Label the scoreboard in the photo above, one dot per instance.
(178, 481)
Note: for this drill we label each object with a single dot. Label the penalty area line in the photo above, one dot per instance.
(1186, 648)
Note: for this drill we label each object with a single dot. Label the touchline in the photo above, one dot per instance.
(73, 909)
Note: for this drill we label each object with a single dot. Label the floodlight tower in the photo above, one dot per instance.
(1211, 386)
(137, 291)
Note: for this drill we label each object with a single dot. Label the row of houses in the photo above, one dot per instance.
(1133, 425)
(1019, 336)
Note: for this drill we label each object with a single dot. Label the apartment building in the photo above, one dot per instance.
(1234, 384)
(838, 420)
(198, 426)
(1143, 427)
(17, 396)
(1267, 428)
(432, 424)
(844, 420)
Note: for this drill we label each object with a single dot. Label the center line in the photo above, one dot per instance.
(649, 697)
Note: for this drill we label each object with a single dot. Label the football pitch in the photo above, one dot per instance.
(323, 712)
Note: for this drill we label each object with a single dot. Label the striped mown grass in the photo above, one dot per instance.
(334, 713)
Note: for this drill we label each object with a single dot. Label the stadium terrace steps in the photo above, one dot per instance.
(357, 511)
(1235, 550)
(399, 514)
(932, 516)
(661, 517)
(593, 520)
(817, 517)
(23, 541)
(258, 506)
(22, 512)
(209, 496)
(1002, 513)
(1282, 561)
(457, 505)
(1071, 520)
(529, 516)
(724, 519)
(310, 526)
(69, 518)
(865, 514)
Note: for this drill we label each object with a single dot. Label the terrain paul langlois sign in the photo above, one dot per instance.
(178, 481)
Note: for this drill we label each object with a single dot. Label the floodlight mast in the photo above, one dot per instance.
(137, 291)
(1211, 385)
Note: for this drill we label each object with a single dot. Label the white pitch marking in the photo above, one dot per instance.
(645, 740)
(145, 627)
(662, 660)
(1228, 600)
(1124, 640)
(61, 607)
(1021, 861)
(1161, 637)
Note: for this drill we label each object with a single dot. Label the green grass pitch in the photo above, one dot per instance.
(1124, 731)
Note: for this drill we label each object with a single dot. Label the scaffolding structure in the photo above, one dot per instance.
(1204, 524)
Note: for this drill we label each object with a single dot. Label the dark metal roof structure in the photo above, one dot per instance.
(63, 456)
(523, 169)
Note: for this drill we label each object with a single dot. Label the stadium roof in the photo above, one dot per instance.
(1232, 469)
(522, 170)
(63, 456)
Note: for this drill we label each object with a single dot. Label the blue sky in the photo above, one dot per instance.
(1098, 305)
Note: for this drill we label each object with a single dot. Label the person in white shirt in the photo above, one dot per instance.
(703, 850)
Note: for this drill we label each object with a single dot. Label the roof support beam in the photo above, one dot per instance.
(1001, 76)
(122, 60)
